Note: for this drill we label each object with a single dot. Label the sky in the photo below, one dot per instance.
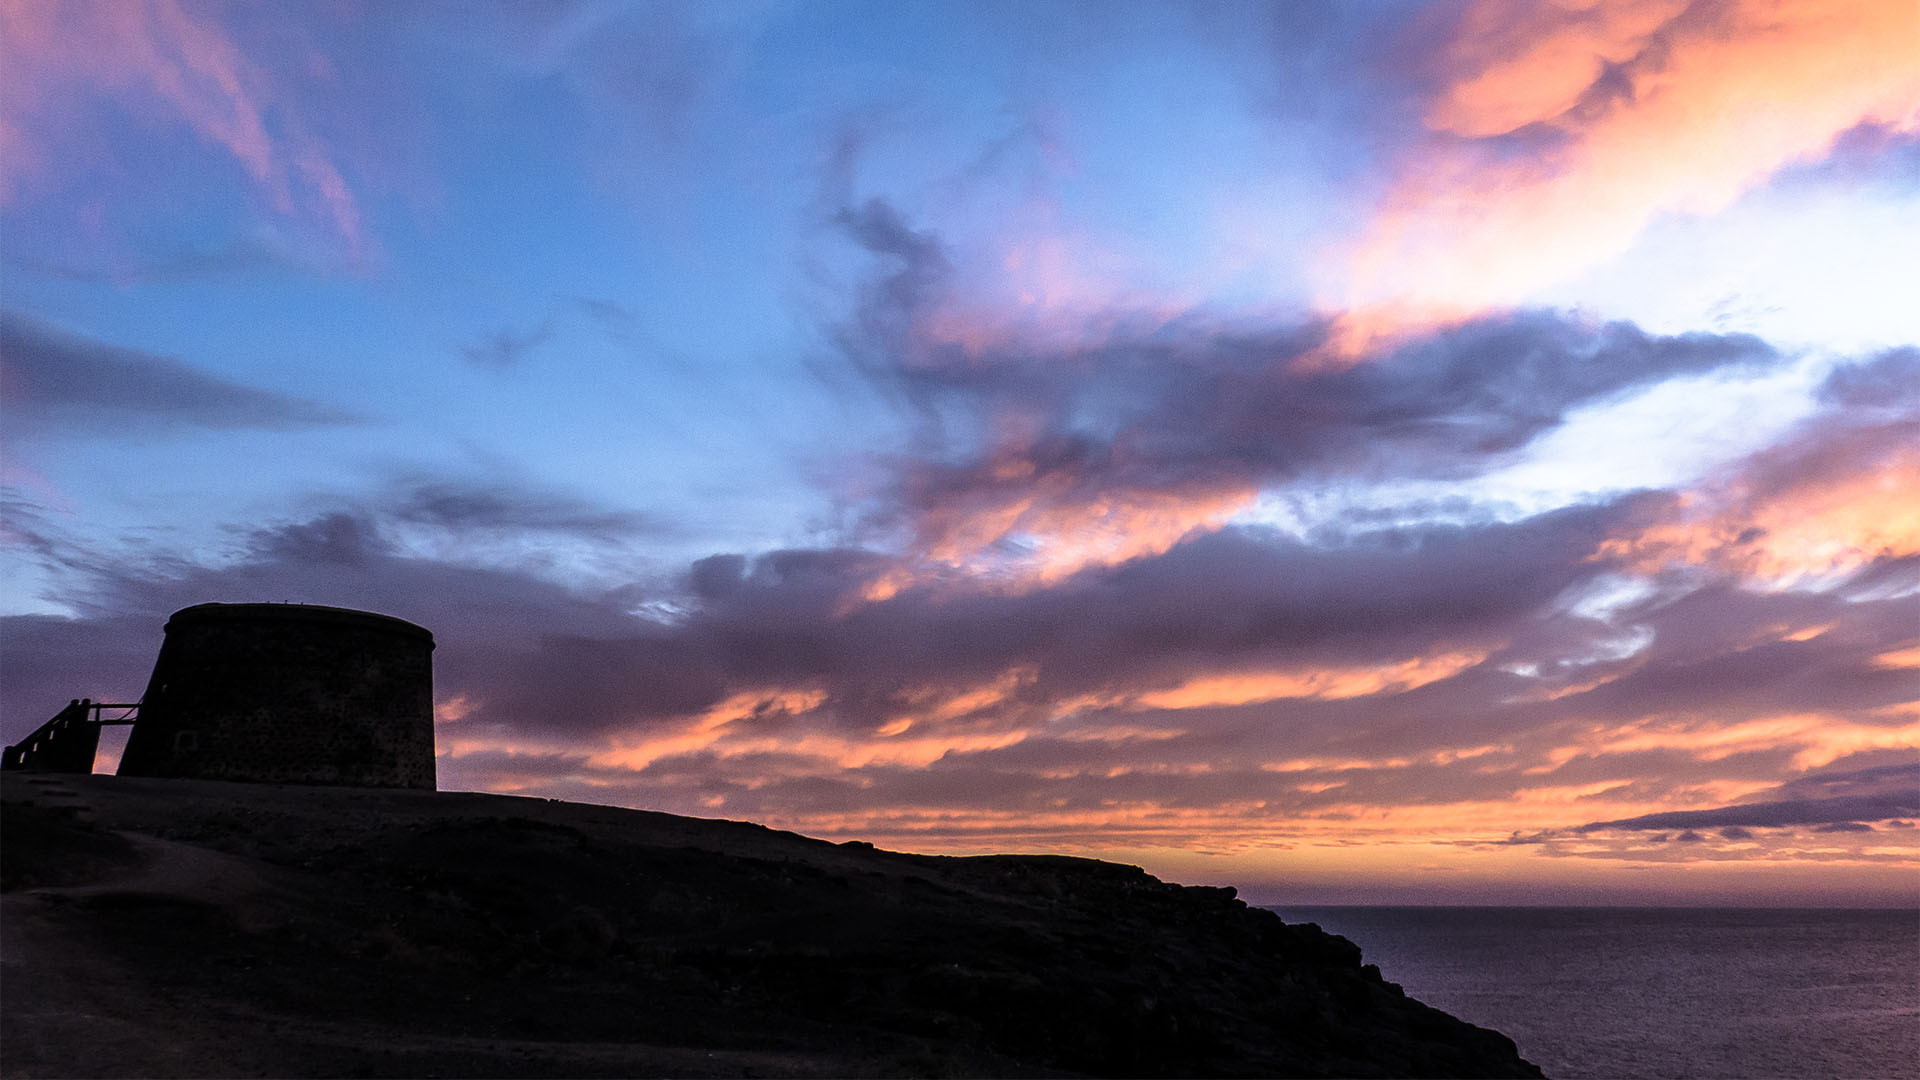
(1455, 452)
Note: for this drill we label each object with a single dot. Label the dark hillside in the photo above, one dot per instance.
(169, 927)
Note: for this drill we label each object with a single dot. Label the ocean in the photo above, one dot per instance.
(1606, 993)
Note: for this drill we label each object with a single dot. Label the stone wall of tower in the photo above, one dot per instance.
(288, 693)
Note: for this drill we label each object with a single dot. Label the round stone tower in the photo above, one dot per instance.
(288, 693)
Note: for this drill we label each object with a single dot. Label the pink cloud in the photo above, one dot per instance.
(176, 63)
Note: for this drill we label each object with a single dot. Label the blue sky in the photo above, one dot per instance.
(1390, 451)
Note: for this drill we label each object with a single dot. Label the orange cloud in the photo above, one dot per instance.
(1899, 658)
(935, 704)
(1828, 522)
(1610, 113)
(937, 721)
(1031, 528)
(1323, 683)
(704, 731)
(1817, 740)
(454, 709)
(1823, 528)
(1364, 833)
(1070, 535)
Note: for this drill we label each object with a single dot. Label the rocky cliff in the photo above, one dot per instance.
(172, 927)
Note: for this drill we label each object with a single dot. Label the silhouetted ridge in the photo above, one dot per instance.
(248, 928)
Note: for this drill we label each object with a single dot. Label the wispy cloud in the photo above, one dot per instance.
(180, 64)
(507, 348)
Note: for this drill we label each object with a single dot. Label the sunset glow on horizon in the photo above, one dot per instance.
(1420, 452)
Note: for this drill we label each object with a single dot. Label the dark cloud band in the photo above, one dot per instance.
(95, 387)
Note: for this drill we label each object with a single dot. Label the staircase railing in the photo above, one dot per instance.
(68, 742)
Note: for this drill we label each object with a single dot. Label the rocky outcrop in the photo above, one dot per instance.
(192, 927)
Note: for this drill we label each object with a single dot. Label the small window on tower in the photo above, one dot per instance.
(186, 742)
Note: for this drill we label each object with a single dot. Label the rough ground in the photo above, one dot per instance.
(193, 928)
